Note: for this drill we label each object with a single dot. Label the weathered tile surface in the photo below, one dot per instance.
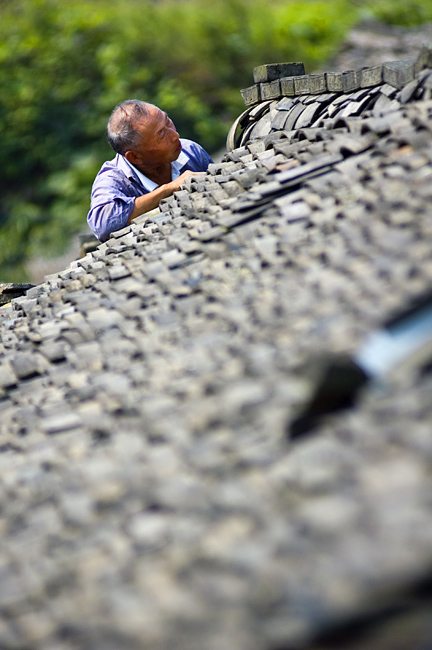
(151, 494)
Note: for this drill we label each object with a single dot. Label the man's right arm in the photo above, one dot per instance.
(116, 202)
(149, 201)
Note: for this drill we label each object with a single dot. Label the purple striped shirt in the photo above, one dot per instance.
(117, 186)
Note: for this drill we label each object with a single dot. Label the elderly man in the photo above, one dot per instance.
(151, 163)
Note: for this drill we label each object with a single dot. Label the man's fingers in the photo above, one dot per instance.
(178, 182)
(187, 174)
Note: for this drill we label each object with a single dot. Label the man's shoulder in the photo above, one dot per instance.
(189, 146)
(113, 170)
(196, 154)
(116, 179)
(116, 166)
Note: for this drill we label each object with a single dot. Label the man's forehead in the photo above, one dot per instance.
(155, 117)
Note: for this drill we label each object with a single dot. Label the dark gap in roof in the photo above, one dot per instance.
(367, 627)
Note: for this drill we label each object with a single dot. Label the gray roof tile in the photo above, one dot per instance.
(147, 394)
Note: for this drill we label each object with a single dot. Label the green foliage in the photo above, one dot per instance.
(401, 12)
(65, 65)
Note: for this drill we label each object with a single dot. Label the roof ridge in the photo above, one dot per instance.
(272, 80)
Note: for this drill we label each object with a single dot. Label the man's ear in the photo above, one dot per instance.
(132, 157)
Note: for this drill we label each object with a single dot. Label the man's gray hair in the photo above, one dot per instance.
(121, 131)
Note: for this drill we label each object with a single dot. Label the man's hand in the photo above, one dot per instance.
(178, 182)
(151, 200)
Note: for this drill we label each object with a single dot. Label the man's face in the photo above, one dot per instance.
(160, 142)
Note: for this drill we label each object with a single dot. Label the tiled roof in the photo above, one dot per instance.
(153, 493)
(10, 290)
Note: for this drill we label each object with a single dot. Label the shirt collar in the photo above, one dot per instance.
(178, 164)
(176, 168)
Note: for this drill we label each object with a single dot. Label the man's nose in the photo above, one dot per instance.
(174, 135)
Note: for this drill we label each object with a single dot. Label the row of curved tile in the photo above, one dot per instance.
(310, 110)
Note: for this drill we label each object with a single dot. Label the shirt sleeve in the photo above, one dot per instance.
(110, 207)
